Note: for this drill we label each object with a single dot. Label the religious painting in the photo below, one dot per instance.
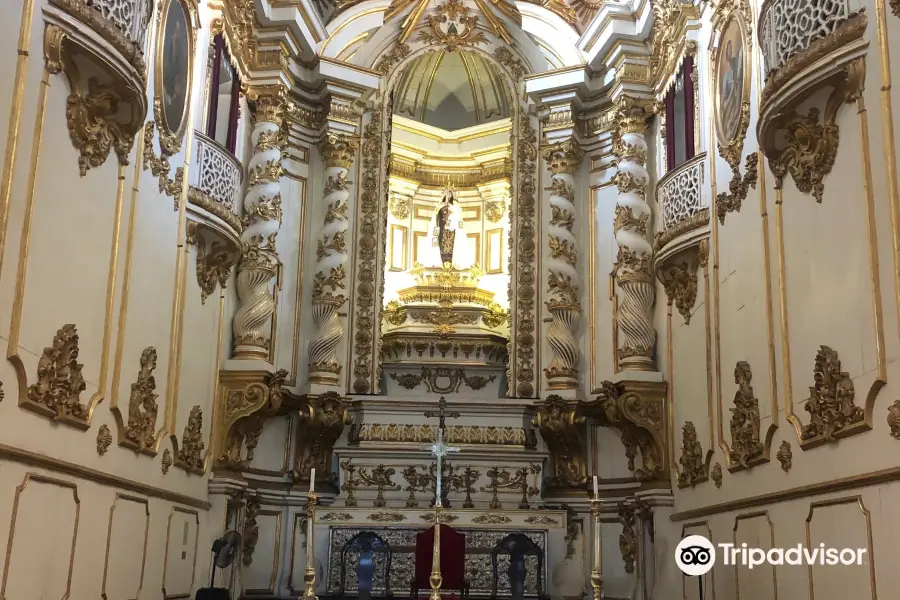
(174, 53)
(732, 79)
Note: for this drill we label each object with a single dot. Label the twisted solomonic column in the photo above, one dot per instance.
(633, 268)
(262, 219)
(564, 305)
(331, 254)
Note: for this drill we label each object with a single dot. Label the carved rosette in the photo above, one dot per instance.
(337, 152)
(564, 431)
(321, 423)
(633, 270)
(563, 283)
(262, 205)
(249, 398)
(638, 410)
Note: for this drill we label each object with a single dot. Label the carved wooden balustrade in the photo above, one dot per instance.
(215, 181)
(684, 201)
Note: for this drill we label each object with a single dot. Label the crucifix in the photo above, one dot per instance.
(439, 449)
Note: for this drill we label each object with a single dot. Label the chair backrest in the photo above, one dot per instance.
(518, 546)
(453, 559)
(366, 544)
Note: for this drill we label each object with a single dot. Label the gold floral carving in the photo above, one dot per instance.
(541, 520)
(893, 419)
(631, 117)
(167, 461)
(512, 62)
(496, 316)
(190, 455)
(92, 129)
(213, 263)
(250, 397)
(785, 456)
(716, 475)
(562, 426)
(444, 518)
(400, 206)
(738, 188)
(491, 519)
(563, 157)
(680, 282)
(57, 392)
(494, 211)
(524, 280)
(746, 447)
(337, 516)
(408, 380)
(559, 217)
(394, 313)
(200, 198)
(320, 424)
(625, 218)
(251, 530)
(269, 102)
(104, 439)
(628, 537)
(140, 433)
(455, 378)
(462, 29)
(338, 150)
(159, 166)
(395, 55)
(693, 467)
(455, 434)
(637, 410)
(386, 517)
(831, 405)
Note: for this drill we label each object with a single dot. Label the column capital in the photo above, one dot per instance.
(563, 156)
(338, 149)
(271, 103)
(632, 114)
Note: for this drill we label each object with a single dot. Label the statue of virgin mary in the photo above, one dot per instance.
(448, 235)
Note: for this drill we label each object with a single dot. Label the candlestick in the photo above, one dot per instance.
(596, 489)
(597, 567)
(309, 578)
(312, 480)
(435, 579)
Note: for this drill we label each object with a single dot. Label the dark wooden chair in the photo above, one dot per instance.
(367, 545)
(518, 546)
(453, 562)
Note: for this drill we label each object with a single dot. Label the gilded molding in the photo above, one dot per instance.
(423, 434)
(562, 426)
(746, 446)
(680, 283)
(104, 439)
(249, 398)
(320, 423)
(785, 456)
(638, 410)
(57, 392)
(396, 54)
(831, 404)
(140, 433)
(190, 452)
(513, 63)
(563, 157)
(694, 469)
(491, 519)
(698, 220)
(198, 197)
(385, 516)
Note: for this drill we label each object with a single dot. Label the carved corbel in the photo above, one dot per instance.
(249, 398)
(563, 428)
(214, 258)
(680, 282)
(321, 422)
(638, 410)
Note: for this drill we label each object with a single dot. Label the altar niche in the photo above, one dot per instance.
(453, 311)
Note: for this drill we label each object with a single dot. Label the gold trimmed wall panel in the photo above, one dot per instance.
(180, 558)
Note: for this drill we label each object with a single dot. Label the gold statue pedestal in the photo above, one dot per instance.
(445, 335)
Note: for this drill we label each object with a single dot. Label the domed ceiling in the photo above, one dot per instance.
(451, 90)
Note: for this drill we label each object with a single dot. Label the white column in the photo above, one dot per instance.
(633, 263)
(262, 216)
(337, 151)
(563, 282)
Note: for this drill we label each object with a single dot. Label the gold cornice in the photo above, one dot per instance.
(554, 72)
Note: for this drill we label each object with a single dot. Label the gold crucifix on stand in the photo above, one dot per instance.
(439, 449)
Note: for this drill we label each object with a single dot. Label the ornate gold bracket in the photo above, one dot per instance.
(247, 399)
(680, 282)
(214, 257)
(638, 410)
(563, 428)
(321, 422)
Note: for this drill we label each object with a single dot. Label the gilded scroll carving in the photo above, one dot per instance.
(746, 447)
(190, 454)
(320, 423)
(213, 263)
(57, 392)
(565, 433)
(680, 282)
(637, 410)
(693, 466)
(831, 405)
(738, 188)
(394, 56)
(140, 433)
(250, 397)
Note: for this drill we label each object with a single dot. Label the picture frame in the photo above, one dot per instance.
(174, 72)
(732, 70)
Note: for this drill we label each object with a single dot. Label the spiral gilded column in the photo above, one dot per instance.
(633, 271)
(563, 282)
(262, 218)
(337, 152)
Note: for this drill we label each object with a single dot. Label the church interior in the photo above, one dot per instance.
(496, 299)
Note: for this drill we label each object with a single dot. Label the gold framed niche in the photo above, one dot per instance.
(493, 263)
(399, 247)
(183, 14)
(732, 132)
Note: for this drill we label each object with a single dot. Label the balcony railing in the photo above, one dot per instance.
(787, 27)
(682, 199)
(131, 17)
(215, 180)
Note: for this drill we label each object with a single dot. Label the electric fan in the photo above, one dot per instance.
(224, 550)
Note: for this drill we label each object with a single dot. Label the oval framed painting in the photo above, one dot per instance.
(173, 72)
(732, 80)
